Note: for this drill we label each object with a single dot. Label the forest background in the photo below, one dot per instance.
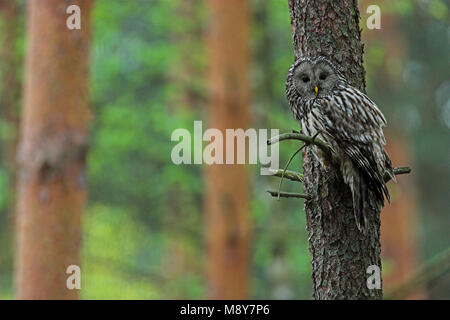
(144, 225)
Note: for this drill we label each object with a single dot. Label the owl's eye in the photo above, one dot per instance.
(323, 76)
(305, 79)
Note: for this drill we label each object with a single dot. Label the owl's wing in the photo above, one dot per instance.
(353, 116)
(356, 124)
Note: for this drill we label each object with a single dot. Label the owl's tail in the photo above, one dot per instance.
(367, 196)
(358, 188)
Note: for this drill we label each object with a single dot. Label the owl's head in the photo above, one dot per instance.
(312, 78)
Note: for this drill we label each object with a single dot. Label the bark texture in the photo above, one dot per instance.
(52, 150)
(340, 254)
(226, 201)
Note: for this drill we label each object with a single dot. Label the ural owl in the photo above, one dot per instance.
(325, 103)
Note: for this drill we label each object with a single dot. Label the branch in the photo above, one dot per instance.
(288, 174)
(298, 177)
(397, 171)
(301, 137)
(282, 194)
(325, 148)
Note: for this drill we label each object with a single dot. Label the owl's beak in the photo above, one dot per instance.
(316, 89)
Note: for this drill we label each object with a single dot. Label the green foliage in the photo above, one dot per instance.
(149, 56)
(129, 162)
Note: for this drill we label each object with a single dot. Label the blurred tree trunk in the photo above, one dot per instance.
(52, 151)
(226, 200)
(399, 232)
(340, 253)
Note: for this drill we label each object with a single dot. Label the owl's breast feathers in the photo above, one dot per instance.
(352, 125)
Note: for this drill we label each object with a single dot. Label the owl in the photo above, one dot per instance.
(329, 107)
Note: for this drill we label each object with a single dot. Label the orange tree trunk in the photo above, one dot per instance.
(52, 150)
(226, 200)
(399, 232)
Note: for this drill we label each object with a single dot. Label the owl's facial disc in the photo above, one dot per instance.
(325, 78)
(305, 80)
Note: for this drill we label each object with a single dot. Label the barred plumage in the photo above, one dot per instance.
(350, 122)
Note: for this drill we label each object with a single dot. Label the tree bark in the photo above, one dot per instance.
(52, 151)
(226, 201)
(340, 254)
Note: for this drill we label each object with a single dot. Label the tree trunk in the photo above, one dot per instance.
(226, 201)
(399, 232)
(52, 151)
(340, 253)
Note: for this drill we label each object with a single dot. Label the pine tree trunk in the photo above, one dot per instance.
(226, 201)
(52, 151)
(340, 254)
